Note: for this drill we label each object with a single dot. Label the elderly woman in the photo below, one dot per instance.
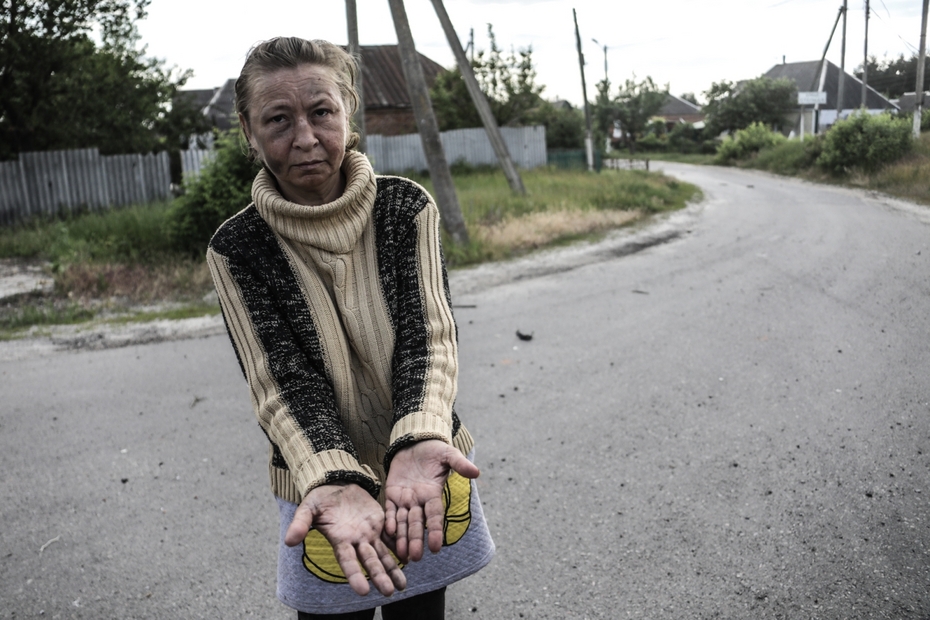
(334, 293)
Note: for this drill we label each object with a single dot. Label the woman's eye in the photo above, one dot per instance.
(322, 112)
(280, 118)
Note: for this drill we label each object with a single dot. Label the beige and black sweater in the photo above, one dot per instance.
(341, 319)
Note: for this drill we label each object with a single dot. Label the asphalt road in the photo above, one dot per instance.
(730, 423)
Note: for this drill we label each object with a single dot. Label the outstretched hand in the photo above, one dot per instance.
(351, 520)
(413, 493)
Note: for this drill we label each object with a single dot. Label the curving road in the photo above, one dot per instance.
(733, 422)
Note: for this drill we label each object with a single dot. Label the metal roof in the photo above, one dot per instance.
(383, 82)
(382, 78)
(808, 78)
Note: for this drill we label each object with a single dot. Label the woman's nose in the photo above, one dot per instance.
(304, 135)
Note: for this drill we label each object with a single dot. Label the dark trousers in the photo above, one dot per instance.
(428, 606)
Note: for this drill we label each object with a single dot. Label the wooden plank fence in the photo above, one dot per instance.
(51, 183)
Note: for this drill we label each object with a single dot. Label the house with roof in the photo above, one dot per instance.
(676, 110)
(810, 76)
(388, 110)
(908, 101)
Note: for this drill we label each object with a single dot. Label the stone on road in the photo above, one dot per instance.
(732, 423)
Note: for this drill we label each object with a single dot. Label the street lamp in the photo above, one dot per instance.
(605, 57)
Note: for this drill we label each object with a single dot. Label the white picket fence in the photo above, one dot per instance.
(50, 183)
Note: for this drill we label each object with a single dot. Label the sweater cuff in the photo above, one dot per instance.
(415, 427)
(332, 466)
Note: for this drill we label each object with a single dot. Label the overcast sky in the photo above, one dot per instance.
(685, 44)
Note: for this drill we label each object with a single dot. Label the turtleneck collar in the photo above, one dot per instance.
(335, 226)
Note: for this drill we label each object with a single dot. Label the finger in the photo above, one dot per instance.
(400, 536)
(461, 465)
(390, 565)
(390, 518)
(376, 569)
(348, 562)
(435, 514)
(300, 525)
(415, 534)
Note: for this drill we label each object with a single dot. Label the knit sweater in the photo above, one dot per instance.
(342, 323)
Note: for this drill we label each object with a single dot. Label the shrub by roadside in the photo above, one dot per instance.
(875, 152)
(223, 188)
(865, 142)
(747, 142)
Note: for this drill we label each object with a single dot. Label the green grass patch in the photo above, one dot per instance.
(700, 159)
(560, 204)
(907, 177)
(40, 311)
(107, 264)
(130, 235)
(180, 312)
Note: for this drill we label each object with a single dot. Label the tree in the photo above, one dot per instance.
(564, 124)
(731, 107)
(59, 89)
(508, 81)
(894, 77)
(633, 106)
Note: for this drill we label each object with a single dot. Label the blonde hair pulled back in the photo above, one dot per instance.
(290, 53)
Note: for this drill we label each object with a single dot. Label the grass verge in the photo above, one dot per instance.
(118, 266)
(907, 178)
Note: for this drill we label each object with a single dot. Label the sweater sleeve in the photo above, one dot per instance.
(425, 364)
(274, 338)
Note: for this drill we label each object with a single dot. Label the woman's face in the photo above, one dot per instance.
(297, 123)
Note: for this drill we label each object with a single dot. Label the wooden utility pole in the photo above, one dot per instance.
(356, 51)
(919, 91)
(480, 101)
(821, 74)
(865, 62)
(446, 198)
(588, 142)
(839, 88)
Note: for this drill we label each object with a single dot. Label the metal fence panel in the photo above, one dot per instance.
(50, 183)
(194, 160)
(396, 154)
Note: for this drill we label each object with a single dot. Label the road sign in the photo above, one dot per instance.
(812, 97)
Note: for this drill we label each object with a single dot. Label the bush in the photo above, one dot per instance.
(747, 142)
(651, 143)
(223, 188)
(685, 138)
(790, 156)
(865, 142)
(564, 126)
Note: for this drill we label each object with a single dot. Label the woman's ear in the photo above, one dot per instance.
(246, 130)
